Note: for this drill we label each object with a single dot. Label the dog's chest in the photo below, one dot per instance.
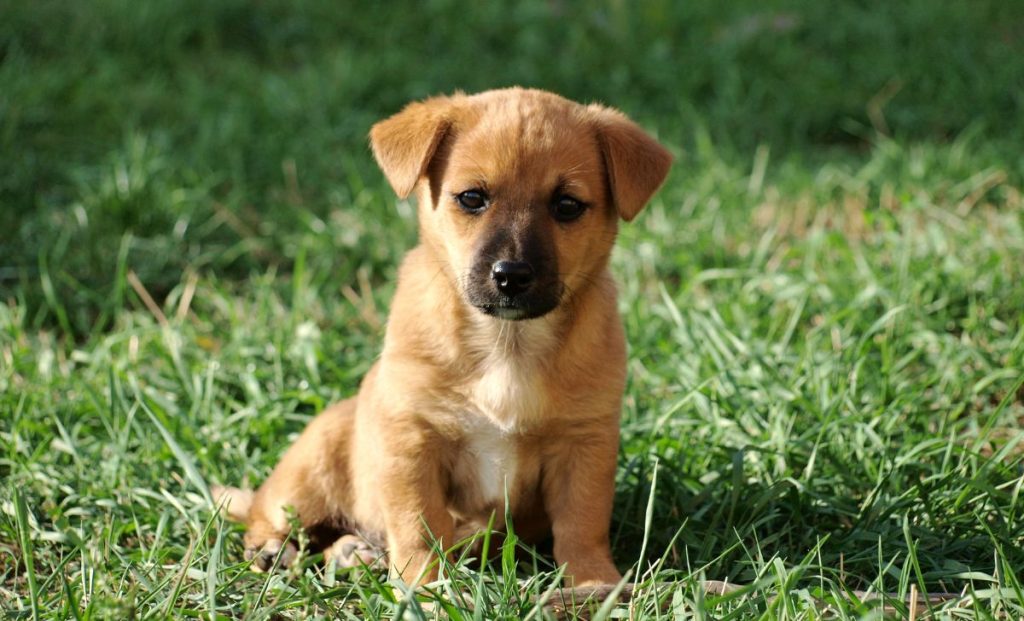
(501, 401)
(509, 393)
(504, 397)
(487, 466)
(508, 384)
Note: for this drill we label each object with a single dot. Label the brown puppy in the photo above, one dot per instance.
(504, 361)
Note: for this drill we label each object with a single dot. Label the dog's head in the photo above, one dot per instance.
(520, 191)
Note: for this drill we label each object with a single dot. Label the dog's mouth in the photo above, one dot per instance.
(514, 312)
(515, 308)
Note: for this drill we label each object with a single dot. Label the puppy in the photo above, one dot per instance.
(504, 360)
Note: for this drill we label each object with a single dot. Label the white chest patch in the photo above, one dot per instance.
(509, 388)
(491, 454)
(505, 396)
(508, 394)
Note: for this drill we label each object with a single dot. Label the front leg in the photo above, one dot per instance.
(415, 512)
(579, 488)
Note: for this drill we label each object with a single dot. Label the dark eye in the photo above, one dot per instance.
(567, 209)
(473, 201)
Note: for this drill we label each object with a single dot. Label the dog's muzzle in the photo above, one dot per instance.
(513, 290)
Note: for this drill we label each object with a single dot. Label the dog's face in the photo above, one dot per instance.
(521, 191)
(520, 206)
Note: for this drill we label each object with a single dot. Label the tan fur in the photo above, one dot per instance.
(464, 407)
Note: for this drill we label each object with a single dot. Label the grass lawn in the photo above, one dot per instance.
(825, 304)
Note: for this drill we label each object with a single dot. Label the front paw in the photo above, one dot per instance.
(593, 575)
(354, 551)
(273, 551)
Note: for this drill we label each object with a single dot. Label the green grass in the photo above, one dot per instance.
(825, 305)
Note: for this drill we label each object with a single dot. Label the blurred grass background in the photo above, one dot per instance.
(824, 304)
(219, 133)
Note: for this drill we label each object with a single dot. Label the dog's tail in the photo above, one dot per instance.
(234, 501)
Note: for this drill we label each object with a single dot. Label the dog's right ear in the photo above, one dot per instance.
(403, 144)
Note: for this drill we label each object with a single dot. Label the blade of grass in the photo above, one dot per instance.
(27, 551)
(184, 460)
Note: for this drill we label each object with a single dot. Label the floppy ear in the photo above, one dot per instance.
(404, 143)
(636, 163)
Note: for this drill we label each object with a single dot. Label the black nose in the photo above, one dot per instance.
(512, 277)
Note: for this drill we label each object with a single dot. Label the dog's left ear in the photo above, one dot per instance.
(636, 164)
(404, 144)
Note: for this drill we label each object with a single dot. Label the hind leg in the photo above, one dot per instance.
(312, 479)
